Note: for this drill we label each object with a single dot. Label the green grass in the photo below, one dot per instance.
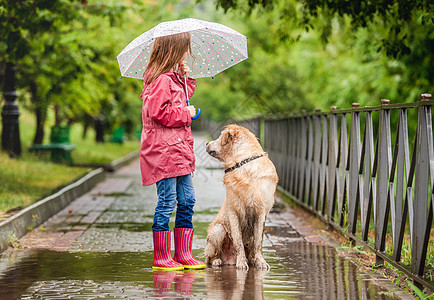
(88, 151)
(101, 153)
(32, 177)
(24, 181)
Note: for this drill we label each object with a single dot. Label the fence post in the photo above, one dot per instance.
(262, 131)
(323, 171)
(303, 157)
(332, 164)
(309, 161)
(316, 158)
(296, 171)
(401, 163)
(288, 159)
(423, 167)
(354, 190)
(342, 183)
(369, 193)
(293, 175)
(383, 171)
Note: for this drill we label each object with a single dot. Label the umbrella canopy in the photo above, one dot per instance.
(214, 47)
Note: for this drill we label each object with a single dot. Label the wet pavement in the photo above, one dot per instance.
(100, 246)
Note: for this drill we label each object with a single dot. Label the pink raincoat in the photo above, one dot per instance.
(167, 143)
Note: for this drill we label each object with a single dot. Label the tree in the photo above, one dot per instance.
(399, 15)
(23, 25)
(19, 21)
(387, 44)
(65, 52)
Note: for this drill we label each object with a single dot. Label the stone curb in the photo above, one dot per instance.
(123, 161)
(16, 226)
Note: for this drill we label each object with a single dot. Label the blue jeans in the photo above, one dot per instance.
(171, 192)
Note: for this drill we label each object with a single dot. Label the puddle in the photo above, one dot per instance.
(113, 256)
(298, 271)
(117, 195)
(200, 231)
(131, 227)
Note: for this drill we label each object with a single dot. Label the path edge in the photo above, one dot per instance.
(16, 226)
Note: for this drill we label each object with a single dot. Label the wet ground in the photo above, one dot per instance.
(100, 246)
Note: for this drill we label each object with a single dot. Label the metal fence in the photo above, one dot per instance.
(368, 172)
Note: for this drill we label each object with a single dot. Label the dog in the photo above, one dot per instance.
(235, 236)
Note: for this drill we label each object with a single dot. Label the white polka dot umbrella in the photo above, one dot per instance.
(215, 48)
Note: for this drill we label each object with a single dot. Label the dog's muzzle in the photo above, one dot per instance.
(210, 152)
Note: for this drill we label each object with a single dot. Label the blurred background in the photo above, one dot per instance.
(58, 70)
(303, 55)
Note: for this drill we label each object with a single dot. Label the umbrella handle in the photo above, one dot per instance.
(198, 111)
(188, 100)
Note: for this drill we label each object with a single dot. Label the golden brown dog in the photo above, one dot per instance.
(235, 236)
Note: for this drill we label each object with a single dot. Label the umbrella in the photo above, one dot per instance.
(215, 47)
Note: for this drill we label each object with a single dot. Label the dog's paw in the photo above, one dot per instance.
(260, 263)
(242, 264)
(217, 262)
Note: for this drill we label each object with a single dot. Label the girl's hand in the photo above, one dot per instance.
(183, 69)
(192, 110)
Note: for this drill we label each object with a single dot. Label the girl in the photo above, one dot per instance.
(166, 156)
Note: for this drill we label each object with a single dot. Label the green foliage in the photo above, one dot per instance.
(21, 21)
(13, 240)
(416, 290)
(303, 55)
(65, 56)
(397, 17)
(301, 60)
(266, 83)
(358, 249)
(35, 219)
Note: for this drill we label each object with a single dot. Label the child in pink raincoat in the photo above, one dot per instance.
(166, 155)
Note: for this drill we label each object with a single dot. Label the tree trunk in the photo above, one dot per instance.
(99, 129)
(87, 120)
(41, 114)
(57, 117)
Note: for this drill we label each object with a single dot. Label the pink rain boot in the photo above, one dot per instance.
(183, 255)
(162, 258)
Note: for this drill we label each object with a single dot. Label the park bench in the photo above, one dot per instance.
(60, 147)
(118, 135)
(139, 134)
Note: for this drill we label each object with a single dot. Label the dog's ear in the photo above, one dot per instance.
(228, 136)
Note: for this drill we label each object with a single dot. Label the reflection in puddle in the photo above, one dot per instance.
(172, 284)
(312, 271)
(298, 271)
(230, 283)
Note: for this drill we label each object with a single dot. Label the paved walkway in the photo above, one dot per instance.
(100, 246)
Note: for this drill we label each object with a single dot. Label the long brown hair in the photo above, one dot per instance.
(166, 53)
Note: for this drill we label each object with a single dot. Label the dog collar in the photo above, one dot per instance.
(243, 162)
